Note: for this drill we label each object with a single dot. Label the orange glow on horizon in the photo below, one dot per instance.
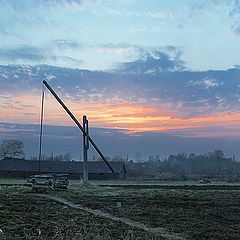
(132, 117)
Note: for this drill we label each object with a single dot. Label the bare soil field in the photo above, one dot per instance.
(206, 213)
(191, 213)
(23, 215)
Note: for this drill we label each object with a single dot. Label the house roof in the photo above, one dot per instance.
(22, 165)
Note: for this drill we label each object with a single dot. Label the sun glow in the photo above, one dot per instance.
(128, 116)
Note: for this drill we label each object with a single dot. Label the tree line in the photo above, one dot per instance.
(187, 166)
(180, 166)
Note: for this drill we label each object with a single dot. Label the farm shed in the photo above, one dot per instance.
(21, 168)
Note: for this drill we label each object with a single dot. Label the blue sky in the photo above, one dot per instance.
(98, 34)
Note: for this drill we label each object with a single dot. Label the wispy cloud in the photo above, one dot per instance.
(33, 55)
(28, 53)
(16, 5)
(121, 27)
(69, 53)
(206, 83)
(153, 62)
(234, 14)
(109, 48)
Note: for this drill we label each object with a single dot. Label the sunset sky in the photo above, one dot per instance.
(133, 66)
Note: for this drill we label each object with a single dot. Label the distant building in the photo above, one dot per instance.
(97, 170)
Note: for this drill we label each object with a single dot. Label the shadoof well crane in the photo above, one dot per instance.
(85, 132)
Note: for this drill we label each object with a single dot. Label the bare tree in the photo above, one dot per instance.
(58, 157)
(11, 148)
(67, 157)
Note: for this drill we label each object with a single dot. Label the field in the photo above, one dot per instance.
(122, 210)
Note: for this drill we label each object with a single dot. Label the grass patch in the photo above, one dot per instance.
(199, 214)
(12, 181)
(26, 217)
(199, 211)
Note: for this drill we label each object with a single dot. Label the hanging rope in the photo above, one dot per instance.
(41, 129)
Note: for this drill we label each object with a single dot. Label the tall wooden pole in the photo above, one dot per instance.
(85, 149)
(78, 124)
(41, 131)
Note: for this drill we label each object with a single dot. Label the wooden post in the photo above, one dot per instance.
(78, 124)
(41, 131)
(85, 149)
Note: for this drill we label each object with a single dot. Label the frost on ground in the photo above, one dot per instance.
(25, 216)
(157, 230)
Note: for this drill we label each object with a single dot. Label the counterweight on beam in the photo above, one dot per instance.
(78, 124)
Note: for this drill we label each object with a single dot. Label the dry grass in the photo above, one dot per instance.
(200, 214)
(25, 217)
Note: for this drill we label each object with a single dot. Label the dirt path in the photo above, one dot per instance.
(160, 231)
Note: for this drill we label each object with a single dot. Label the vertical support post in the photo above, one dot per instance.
(85, 149)
(234, 165)
(41, 131)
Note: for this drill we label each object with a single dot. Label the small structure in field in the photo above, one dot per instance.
(60, 181)
(45, 182)
(41, 183)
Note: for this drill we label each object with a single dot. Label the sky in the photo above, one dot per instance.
(141, 70)
(98, 34)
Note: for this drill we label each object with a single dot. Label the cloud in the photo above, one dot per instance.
(235, 9)
(206, 83)
(33, 55)
(154, 62)
(234, 14)
(64, 52)
(109, 48)
(66, 43)
(21, 5)
(229, 9)
(27, 53)
(130, 101)
(236, 28)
